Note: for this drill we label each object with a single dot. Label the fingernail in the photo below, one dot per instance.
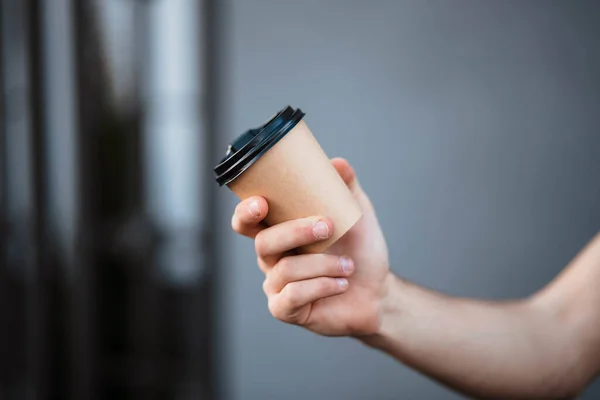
(347, 264)
(343, 282)
(321, 230)
(254, 209)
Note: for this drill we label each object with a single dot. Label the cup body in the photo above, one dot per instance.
(297, 179)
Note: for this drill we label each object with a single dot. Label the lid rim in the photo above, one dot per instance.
(239, 160)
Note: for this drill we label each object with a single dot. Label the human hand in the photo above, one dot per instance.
(338, 293)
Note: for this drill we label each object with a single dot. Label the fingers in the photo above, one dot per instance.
(348, 175)
(290, 305)
(346, 172)
(272, 242)
(248, 216)
(303, 267)
(296, 282)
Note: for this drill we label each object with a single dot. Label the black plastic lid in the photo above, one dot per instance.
(250, 146)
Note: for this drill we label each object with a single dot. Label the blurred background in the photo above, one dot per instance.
(474, 126)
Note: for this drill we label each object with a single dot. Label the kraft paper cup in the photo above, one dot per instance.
(283, 162)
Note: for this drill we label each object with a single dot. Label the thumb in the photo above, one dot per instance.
(348, 175)
(346, 172)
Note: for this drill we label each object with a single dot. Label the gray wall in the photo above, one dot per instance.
(475, 128)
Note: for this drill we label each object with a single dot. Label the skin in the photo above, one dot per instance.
(546, 346)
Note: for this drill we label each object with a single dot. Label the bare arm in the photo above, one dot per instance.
(546, 346)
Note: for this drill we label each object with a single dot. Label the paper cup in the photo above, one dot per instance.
(283, 162)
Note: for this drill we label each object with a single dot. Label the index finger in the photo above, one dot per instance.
(248, 216)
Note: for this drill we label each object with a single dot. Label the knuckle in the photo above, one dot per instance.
(327, 287)
(291, 297)
(265, 285)
(260, 244)
(261, 265)
(274, 277)
(324, 286)
(275, 309)
(304, 230)
(284, 270)
(299, 231)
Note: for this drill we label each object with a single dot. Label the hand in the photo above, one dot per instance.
(339, 293)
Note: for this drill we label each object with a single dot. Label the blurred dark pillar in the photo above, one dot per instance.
(3, 189)
(213, 17)
(107, 262)
(105, 150)
(4, 320)
(38, 293)
(2, 148)
(18, 376)
(68, 204)
(176, 143)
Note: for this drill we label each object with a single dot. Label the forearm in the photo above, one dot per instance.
(484, 349)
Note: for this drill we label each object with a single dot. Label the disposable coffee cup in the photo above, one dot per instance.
(283, 162)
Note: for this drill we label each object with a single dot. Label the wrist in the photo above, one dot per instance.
(389, 309)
